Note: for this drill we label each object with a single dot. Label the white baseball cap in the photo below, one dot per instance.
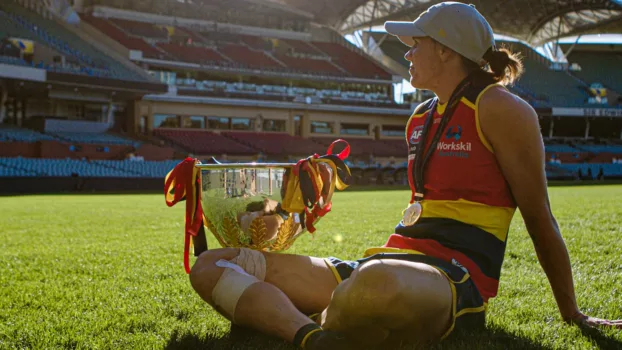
(458, 26)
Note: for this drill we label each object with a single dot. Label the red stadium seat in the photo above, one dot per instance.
(204, 142)
(276, 143)
(353, 62)
(115, 33)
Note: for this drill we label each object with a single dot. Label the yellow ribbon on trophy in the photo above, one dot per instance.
(305, 193)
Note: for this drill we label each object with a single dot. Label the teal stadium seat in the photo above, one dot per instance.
(560, 149)
(11, 133)
(21, 22)
(95, 138)
(558, 88)
(599, 67)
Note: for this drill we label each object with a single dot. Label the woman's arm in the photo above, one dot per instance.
(511, 127)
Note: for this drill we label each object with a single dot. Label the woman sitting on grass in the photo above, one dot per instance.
(475, 155)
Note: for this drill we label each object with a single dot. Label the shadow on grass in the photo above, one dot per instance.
(603, 341)
(243, 338)
(489, 338)
(237, 338)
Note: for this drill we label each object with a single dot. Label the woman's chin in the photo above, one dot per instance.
(414, 83)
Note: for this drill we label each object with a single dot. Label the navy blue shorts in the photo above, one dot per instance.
(468, 307)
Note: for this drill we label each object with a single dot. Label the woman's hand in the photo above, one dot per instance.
(581, 319)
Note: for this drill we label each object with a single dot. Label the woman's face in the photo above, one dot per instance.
(425, 64)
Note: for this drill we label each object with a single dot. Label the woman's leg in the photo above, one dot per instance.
(385, 297)
(275, 304)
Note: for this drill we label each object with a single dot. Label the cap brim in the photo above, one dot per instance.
(405, 31)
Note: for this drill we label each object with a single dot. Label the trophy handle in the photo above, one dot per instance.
(199, 242)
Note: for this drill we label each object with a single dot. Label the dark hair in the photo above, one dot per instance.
(503, 66)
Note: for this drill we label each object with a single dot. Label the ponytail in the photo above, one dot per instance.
(503, 67)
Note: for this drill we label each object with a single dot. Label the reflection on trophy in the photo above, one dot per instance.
(262, 206)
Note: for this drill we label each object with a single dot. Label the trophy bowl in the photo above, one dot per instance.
(241, 205)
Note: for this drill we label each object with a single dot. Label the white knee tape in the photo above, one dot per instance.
(230, 288)
(248, 268)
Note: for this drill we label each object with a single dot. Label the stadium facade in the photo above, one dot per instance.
(117, 90)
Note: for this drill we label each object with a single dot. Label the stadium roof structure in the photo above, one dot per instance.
(533, 21)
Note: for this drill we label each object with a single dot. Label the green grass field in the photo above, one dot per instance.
(106, 272)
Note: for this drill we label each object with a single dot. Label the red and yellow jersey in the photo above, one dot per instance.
(468, 205)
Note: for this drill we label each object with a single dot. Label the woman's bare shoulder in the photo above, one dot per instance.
(499, 105)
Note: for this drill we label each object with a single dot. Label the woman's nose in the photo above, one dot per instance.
(408, 54)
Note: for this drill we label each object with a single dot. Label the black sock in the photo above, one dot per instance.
(304, 332)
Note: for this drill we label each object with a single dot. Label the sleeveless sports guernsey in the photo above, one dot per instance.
(468, 205)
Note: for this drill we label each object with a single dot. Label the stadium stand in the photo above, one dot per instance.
(94, 138)
(140, 29)
(19, 166)
(353, 62)
(83, 59)
(157, 169)
(596, 67)
(274, 143)
(364, 147)
(313, 71)
(204, 142)
(554, 88)
(239, 50)
(559, 148)
(132, 43)
(247, 57)
(13, 133)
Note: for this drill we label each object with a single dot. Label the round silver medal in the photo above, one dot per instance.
(412, 214)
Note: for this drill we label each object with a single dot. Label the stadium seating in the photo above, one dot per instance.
(356, 64)
(601, 148)
(19, 166)
(153, 152)
(141, 29)
(276, 92)
(609, 169)
(363, 147)
(204, 142)
(302, 47)
(599, 67)
(558, 88)
(244, 55)
(91, 61)
(94, 138)
(192, 54)
(132, 43)
(8, 28)
(307, 65)
(14, 172)
(13, 60)
(556, 148)
(58, 167)
(140, 168)
(245, 51)
(13, 133)
(276, 143)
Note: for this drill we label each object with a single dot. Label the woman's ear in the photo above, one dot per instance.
(441, 50)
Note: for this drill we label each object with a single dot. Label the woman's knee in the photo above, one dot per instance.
(376, 276)
(370, 287)
(390, 286)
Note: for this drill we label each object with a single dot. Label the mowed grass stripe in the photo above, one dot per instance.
(106, 271)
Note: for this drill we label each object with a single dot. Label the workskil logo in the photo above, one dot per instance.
(454, 149)
(454, 132)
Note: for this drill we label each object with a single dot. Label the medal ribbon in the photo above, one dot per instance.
(421, 160)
